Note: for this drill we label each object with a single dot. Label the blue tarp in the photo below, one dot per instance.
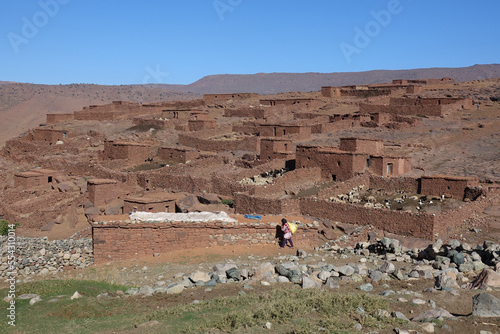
(253, 217)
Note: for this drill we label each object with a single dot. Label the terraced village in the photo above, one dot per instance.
(394, 188)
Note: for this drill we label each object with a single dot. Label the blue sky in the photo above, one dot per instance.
(179, 42)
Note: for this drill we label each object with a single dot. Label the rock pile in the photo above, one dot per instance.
(38, 256)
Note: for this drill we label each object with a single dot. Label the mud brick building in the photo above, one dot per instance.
(211, 98)
(418, 106)
(110, 112)
(293, 131)
(34, 178)
(131, 151)
(50, 136)
(276, 148)
(104, 191)
(152, 202)
(356, 91)
(178, 154)
(448, 186)
(58, 118)
(300, 102)
(353, 156)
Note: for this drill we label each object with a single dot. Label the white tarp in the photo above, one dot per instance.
(189, 217)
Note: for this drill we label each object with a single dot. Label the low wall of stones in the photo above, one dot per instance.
(114, 241)
(343, 187)
(38, 256)
(397, 222)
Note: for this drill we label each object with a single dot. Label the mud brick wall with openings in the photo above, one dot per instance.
(362, 145)
(449, 186)
(151, 203)
(131, 151)
(51, 136)
(58, 118)
(335, 164)
(306, 103)
(388, 166)
(122, 241)
(178, 154)
(210, 98)
(34, 178)
(398, 222)
(296, 132)
(459, 103)
(276, 148)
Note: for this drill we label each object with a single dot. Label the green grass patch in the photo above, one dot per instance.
(289, 309)
(292, 310)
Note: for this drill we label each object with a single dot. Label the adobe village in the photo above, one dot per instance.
(391, 185)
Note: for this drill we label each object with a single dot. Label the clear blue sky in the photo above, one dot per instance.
(161, 41)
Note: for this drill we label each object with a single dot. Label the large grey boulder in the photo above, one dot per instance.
(308, 283)
(387, 267)
(485, 305)
(199, 276)
(433, 314)
(346, 270)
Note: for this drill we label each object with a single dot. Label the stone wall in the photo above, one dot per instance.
(40, 256)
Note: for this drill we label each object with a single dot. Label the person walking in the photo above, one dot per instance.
(287, 233)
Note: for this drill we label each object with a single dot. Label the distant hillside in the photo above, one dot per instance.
(272, 83)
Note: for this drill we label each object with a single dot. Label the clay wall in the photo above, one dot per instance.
(398, 222)
(58, 118)
(257, 113)
(407, 184)
(389, 166)
(201, 124)
(247, 128)
(362, 145)
(414, 89)
(34, 178)
(292, 181)
(431, 110)
(176, 154)
(49, 135)
(101, 192)
(120, 241)
(459, 103)
(450, 219)
(296, 132)
(306, 103)
(449, 186)
(328, 91)
(157, 122)
(130, 205)
(244, 143)
(210, 98)
(335, 164)
(344, 187)
(133, 152)
(271, 149)
(245, 203)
